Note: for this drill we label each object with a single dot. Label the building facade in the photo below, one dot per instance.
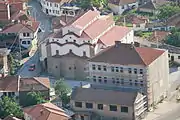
(94, 104)
(141, 72)
(59, 8)
(122, 5)
(82, 38)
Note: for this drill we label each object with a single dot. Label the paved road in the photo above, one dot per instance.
(45, 24)
(173, 115)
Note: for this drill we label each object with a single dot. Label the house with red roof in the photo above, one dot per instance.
(119, 6)
(45, 111)
(139, 23)
(135, 68)
(9, 7)
(25, 30)
(18, 88)
(83, 37)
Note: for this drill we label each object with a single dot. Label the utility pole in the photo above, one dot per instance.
(124, 21)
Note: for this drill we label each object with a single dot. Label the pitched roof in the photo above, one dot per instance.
(21, 15)
(9, 83)
(59, 1)
(127, 54)
(46, 111)
(35, 80)
(98, 27)
(86, 18)
(114, 34)
(30, 26)
(104, 96)
(159, 35)
(121, 2)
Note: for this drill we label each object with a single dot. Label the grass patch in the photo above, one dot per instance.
(143, 34)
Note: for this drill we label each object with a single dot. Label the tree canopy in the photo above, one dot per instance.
(9, 106)
(86, 4)
(62, 90)
(33, 98)
(167, 10)
(174, 38)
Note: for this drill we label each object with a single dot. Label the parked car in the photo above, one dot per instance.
(32, 67)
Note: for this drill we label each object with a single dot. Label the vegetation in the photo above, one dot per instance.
(13, 64)
(62, 90)
(167, 10)
(8, 106)
(174, 37)
(33, 98)
(143, 34)
(86, 4)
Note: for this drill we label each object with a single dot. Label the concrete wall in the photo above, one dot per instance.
(67, 67)
(158, 77)
(105, 112)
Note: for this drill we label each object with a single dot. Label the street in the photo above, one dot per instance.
(45, 25)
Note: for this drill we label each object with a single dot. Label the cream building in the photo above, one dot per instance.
(124, 65)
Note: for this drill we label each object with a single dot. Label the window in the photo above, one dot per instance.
(53, 11)
(28, 34)
(117, 82)
(99, 79)
(104, 68)
(112, 107)
(99, 67)
(117, 69)
(66, 40)
(122, 81)
(84, 53)
(93, 67)
(121, 69)
(24, 34)
(94, 78)
(69, 68)
(141, 71)
(168, 55)
(122, 7)
(23, 42)
(82, 117)
(124, 109)
(78, 104)
(74, 67)
(49, 10)
(129, 70)
(113, 81)
(178, 57)
(130, 84)
(57, 52)
(135, 71)
(74, 40)
(89, 105)
(112, 69)
(136, 84)
(142, 85)
(105, 79)
(100, 106)
(29, 42)
(50, 4)
(141, 81)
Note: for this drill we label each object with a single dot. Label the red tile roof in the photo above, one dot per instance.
(46, 111)
(30, 26)
(127, 54)
(98, 27)
(159, 35)
(9, 83)
(82, 21)
(114, 34)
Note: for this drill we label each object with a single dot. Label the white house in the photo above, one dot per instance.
(58, 7)
(27, 32)
(119, 6)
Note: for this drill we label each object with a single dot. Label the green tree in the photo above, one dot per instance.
(62, 90)
(174, 38)
(86, 4)
(167, 10)
(9, 106)
(33, 98)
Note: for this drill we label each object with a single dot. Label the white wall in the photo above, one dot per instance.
(176, 59)
(65, 49)
(141, 27)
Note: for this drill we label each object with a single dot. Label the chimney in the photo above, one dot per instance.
(41, 111)
(117, 43)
